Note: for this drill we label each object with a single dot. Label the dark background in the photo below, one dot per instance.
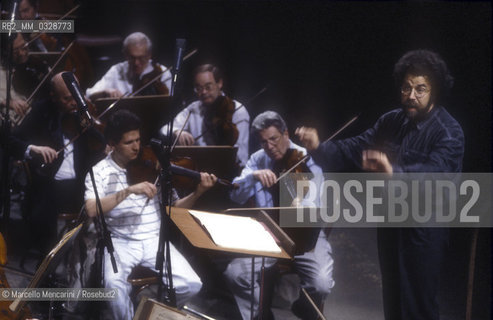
(324, 62)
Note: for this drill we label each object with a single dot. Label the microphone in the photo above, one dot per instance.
(73, 87)
(12, 18)
(179, 52)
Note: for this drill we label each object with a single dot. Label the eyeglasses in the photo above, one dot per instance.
(271, 141)
(420, 91)
(141, 59)
(207, 88)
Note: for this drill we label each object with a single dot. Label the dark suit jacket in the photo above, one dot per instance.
(42, 126)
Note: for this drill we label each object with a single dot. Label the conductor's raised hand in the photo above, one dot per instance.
(376, 161)
(308, 137)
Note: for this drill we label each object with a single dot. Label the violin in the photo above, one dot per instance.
(290, 159)
(218, 121)
(292, 162)
(41, 42)
(156, 88)
(146, 168)
(5, 312)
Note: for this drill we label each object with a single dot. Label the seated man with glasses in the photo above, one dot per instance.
(126, 77)
(212, 116)
(256, 180)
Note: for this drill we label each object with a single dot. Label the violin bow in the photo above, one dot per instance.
(241, 106)
(50, 71)
(181, 130)
(111, 106)
(28, 100)
(61, 18)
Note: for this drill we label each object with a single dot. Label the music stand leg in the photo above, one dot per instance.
(261, 299)
(252, 290)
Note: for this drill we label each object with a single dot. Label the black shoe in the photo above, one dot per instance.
(304, 310)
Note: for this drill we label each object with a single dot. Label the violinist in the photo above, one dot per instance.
(28, 10)
(314, 267)
(28, 70)
(132, 219)
(57, 188)
(215, 119)
(130, 75)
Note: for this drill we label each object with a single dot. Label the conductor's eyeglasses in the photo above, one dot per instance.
(420, 91)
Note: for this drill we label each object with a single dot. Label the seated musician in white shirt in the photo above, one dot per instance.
(132, 213)
(210, 122)
(126, 77)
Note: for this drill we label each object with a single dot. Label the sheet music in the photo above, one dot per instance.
(236, 232)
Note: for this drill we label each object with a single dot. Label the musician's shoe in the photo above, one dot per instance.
(304, 310)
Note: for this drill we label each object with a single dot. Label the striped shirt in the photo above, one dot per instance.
(131, 219)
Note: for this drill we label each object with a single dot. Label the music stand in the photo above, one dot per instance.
(304, 238)
(155, 111)
(50, 262)
(199, 238)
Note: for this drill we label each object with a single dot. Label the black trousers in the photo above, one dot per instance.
(410, 262)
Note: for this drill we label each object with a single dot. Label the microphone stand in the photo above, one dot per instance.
(163, 256)
(6, 128)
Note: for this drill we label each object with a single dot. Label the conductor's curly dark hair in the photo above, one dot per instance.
(425, 63)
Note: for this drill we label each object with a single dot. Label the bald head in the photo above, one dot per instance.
(61, 95)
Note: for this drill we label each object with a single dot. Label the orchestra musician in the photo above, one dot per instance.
(256, 179)
(59, 187)
(128, 76)
(28, 10)
(28, 70)
(421, 136)
(215, 119)
(134, 225)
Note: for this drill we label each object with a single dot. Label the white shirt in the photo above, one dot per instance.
(131, 219)
(66, 170)
(119, 77)
(195, 126)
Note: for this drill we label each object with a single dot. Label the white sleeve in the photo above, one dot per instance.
(246, 182)
(166, 77)
(90, 194)
(106, 82)
(178, 122)
(242, 120)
